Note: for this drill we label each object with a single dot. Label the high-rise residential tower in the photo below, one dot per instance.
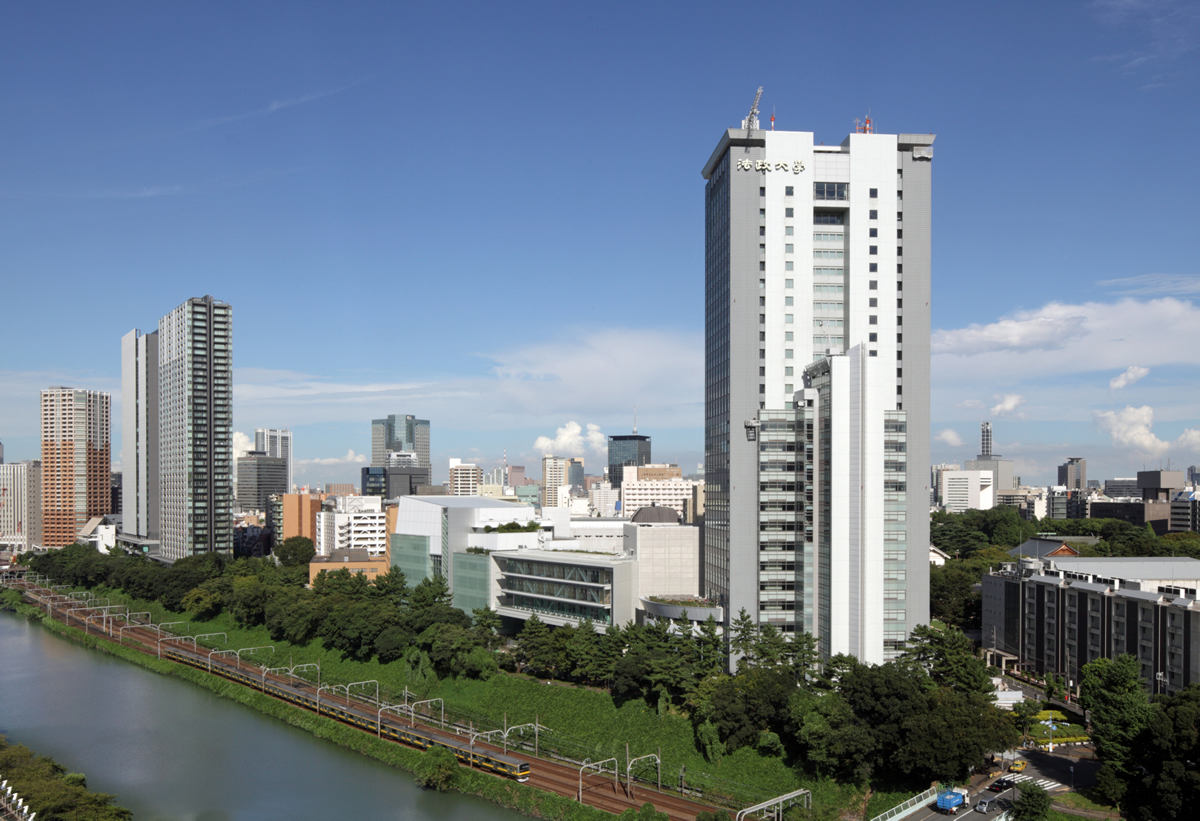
(399, 433)
(195, 428)
(76, 462)
(276, 443)
(140, 488)
(20, 506)
(817, 497)
(554, 477)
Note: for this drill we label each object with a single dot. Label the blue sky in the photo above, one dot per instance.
(491, 215)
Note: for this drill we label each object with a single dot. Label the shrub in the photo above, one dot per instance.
(437, 768)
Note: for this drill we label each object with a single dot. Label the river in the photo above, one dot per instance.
(171, 751)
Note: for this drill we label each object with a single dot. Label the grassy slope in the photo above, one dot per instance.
(586, 720)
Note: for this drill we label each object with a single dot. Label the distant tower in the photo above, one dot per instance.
(985, 440)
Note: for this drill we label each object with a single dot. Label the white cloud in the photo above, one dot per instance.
(241, 444)
(971, 403)
(351, 458)
(950, 437)
(1132, 374)
(1161, 284)
(570, 440)
(532, 386)
(1008, 403)
(1059, 339)
(1130, 427)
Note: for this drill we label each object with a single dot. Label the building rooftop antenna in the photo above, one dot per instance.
(635, 420)
(751, 121)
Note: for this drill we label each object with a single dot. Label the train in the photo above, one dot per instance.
(422, 738)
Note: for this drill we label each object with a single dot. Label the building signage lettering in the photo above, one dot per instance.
(766, 165)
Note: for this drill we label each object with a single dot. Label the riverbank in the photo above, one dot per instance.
(48, 790)
(521, 797)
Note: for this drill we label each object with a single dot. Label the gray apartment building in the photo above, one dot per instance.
(1055, 615)
(817, 252)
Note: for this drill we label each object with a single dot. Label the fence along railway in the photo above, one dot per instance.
(400, 723)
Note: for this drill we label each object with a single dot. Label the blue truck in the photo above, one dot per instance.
(951, 801)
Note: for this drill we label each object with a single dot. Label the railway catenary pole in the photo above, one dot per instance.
(599, 765)
(629, 771)
(192, 639)
(270, 647)
(217, 653)
(333, 688)
(357, 683)
(379, 716)
(417, 704)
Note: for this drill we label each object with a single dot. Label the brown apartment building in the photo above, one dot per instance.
(76, 462)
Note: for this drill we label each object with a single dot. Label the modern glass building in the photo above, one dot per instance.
(399, 433)
(630, 449)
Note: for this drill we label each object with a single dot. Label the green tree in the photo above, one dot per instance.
(1033, 803)
(1024, 713)
(295, 551)
(436, 768)
(486, 624)
(744, 633)
(534, 646)
(1168, 784)
(1113, 690)
(952, 595)
(948, 656)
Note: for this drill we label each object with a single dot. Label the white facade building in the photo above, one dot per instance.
(554, 479)
(670, 493)
(964, 490)
(355, 523)
(811, 250)
(20, 506)
(464, 479)
(140, 481)
(276, 443)
(605, 499)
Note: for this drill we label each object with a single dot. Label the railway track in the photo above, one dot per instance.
(598, 790)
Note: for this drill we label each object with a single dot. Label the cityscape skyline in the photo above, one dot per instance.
(1047, 360)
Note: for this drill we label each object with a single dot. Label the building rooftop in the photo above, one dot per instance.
(462, 502)
(347, 555)
(1139, 567)
(655, 514)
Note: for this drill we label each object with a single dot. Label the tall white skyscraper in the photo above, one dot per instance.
(817, 516)
(276, 443)
(195, 428)
(20, 506)
(140, 490)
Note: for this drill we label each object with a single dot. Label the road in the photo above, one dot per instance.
(1051, 771)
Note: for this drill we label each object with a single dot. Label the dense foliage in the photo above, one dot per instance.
(50, 791)
(1147, 749)
(436, 769)
(349, 614)
(925, 716)
(979, 540)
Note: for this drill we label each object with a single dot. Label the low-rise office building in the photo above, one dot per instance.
(1055, 615)
(356, 561)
